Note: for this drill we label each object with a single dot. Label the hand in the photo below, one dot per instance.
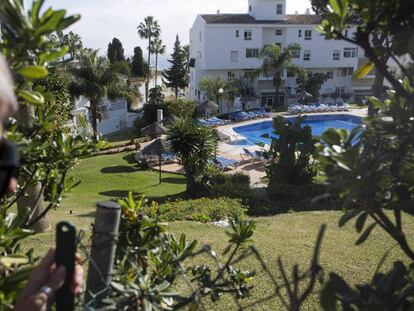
(47, 274)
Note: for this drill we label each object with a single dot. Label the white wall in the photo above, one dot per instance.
(266, 9)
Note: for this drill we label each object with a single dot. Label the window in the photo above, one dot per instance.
(279, 9)
(336, 55)
(346, 33)
(340, 89)
(300, 33)
(296, 53)
(248, 73)
(230, 74)
(252, 53)
(237, 33)
(250, 8)
(330, 75)
(308, 34)
(350, 52)
(279, 32)
(288, 90)
(307, 55)
(234, 56)
(346, 71)
(279, 44)
(247, 35)
(342, 72)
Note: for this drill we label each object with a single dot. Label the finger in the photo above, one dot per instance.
(47, 261)
(78, 281)
(57, 279)
(41, 273)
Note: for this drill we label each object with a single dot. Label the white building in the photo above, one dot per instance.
(115, 115)
(228, 45)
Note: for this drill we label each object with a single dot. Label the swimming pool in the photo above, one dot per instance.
(253, 133)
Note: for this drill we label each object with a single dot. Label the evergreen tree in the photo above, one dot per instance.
(137, 65)
(176, 76)
(115, 51)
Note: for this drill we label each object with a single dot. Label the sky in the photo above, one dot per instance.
(103, 20)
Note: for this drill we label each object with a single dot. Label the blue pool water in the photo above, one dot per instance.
(319, 123)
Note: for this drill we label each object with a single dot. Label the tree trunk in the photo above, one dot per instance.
(33, 197)
(176, 92)
(149, 68)
(377, 90)
(156, 69)
(94, 112)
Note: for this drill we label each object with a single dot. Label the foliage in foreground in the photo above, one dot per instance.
(152, 262)
(47, 152)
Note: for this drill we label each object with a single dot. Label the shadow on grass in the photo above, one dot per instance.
(120, 169)
(87, 215)
(174, 180)
(118, 193)
(159, 199)
(130, 159)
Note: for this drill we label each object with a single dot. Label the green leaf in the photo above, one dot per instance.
(13, 260)
(33, 98)
(332, 137)
(347, 217)
(335, 6)
(359, 224)
(364, 236)
(53, 55)
(82, 121)
(33, 72)
(364, 70)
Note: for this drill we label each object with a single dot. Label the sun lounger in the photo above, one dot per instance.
(223, 163)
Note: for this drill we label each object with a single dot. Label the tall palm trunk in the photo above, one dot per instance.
(149, 69)
(33, 198)
(94, 112)
(156, 68)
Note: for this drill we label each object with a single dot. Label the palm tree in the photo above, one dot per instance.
(157, 48)
(95, 79)
(74, 43)
(194, 147)
(149, 29)
(275, 61)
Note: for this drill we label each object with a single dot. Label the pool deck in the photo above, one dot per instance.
(256, 171)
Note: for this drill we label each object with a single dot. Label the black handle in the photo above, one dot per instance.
(65, 256)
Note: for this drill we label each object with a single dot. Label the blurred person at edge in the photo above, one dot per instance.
(46, 278)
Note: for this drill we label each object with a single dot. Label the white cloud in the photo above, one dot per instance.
(104, 19)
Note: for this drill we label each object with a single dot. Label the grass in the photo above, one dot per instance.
(291, 236)
(105, 178)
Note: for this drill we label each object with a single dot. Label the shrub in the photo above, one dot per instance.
(181, 107)
(292, 153)
(237, 186)
(203, 210)
(287, 197)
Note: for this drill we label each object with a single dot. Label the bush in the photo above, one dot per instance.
(287, 197)
(204, 209)
(237, 186)
(181, 107)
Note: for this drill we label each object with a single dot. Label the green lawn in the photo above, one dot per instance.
(291, 236)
